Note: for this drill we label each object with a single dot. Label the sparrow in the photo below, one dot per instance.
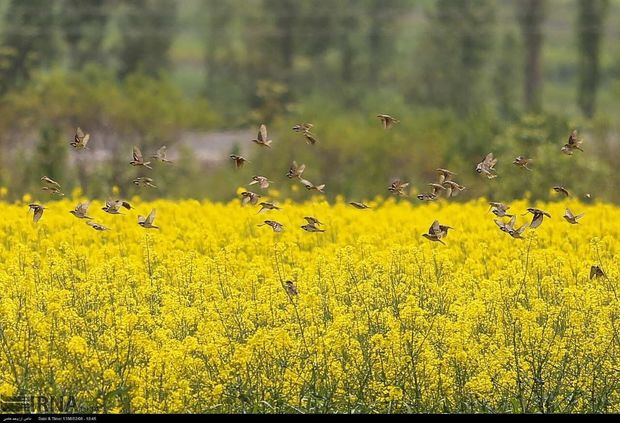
(596, 272)
(277, 227)
(387, 121)
(538, 216)
(144, 182)
(302, 127)
(522, 162)
(571, 218)
(265, 205)
(510, 229)
(37, 210)
(561, 190)
(97, 226)
(310, 186)
(312, 220)
(138, 160)
(499, 209)
(311, 228)
(261, 138)
(147, 222)
(290, 288)
(310, 139)
(359, 205)
(436, 232)
(249, 197)
(487, 166)
(80, 139)
(398, 187)
(160, 155)
(52, 186)
(80, 211)
(574, 143)
(261, 181)
(452, 188)
(239, 160)
(444, 175)
(295, 171)
(113, 206)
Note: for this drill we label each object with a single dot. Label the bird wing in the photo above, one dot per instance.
(262, 133)
(151, 217)
(137, 154)
(569, 214)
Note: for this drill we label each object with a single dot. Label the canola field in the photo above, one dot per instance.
(195, 317)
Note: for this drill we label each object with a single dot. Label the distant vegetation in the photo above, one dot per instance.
(464, 78)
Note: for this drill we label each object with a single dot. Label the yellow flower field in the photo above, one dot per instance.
(195, 317)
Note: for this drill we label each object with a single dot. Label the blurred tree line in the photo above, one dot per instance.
(464, 76)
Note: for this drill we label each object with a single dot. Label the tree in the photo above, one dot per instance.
(453, 61)
(27, 40)
(590, 21)
(531, 15)
(506, 76)
(147, 28)
(83, 24)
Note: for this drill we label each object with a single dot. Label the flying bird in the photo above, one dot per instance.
(37, 211)
(137, 158)
(387, 121)
(114, 206)
(522, 162)
(248, 197)
(510, 227)
(261, 138)
(452, 188)
(436, 232)
(96, 226)
(52, 186)
(444, 175)
(398, 187)
(262, 181)
(538, 216)
(265, 205)
(295, 171)
(143, 181)
(276, 226)
(239, 160)
(359, 205)
(571, 218)
(574, 143)
(310, 186)
(312, 220)
(147, 222)
(499, 209)
(302, 127)
(80, 139)
(161, 155)
(311, 228)
(487, 166)
(561, 190)
(80, 211)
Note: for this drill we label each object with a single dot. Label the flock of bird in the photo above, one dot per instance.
(445, 184)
